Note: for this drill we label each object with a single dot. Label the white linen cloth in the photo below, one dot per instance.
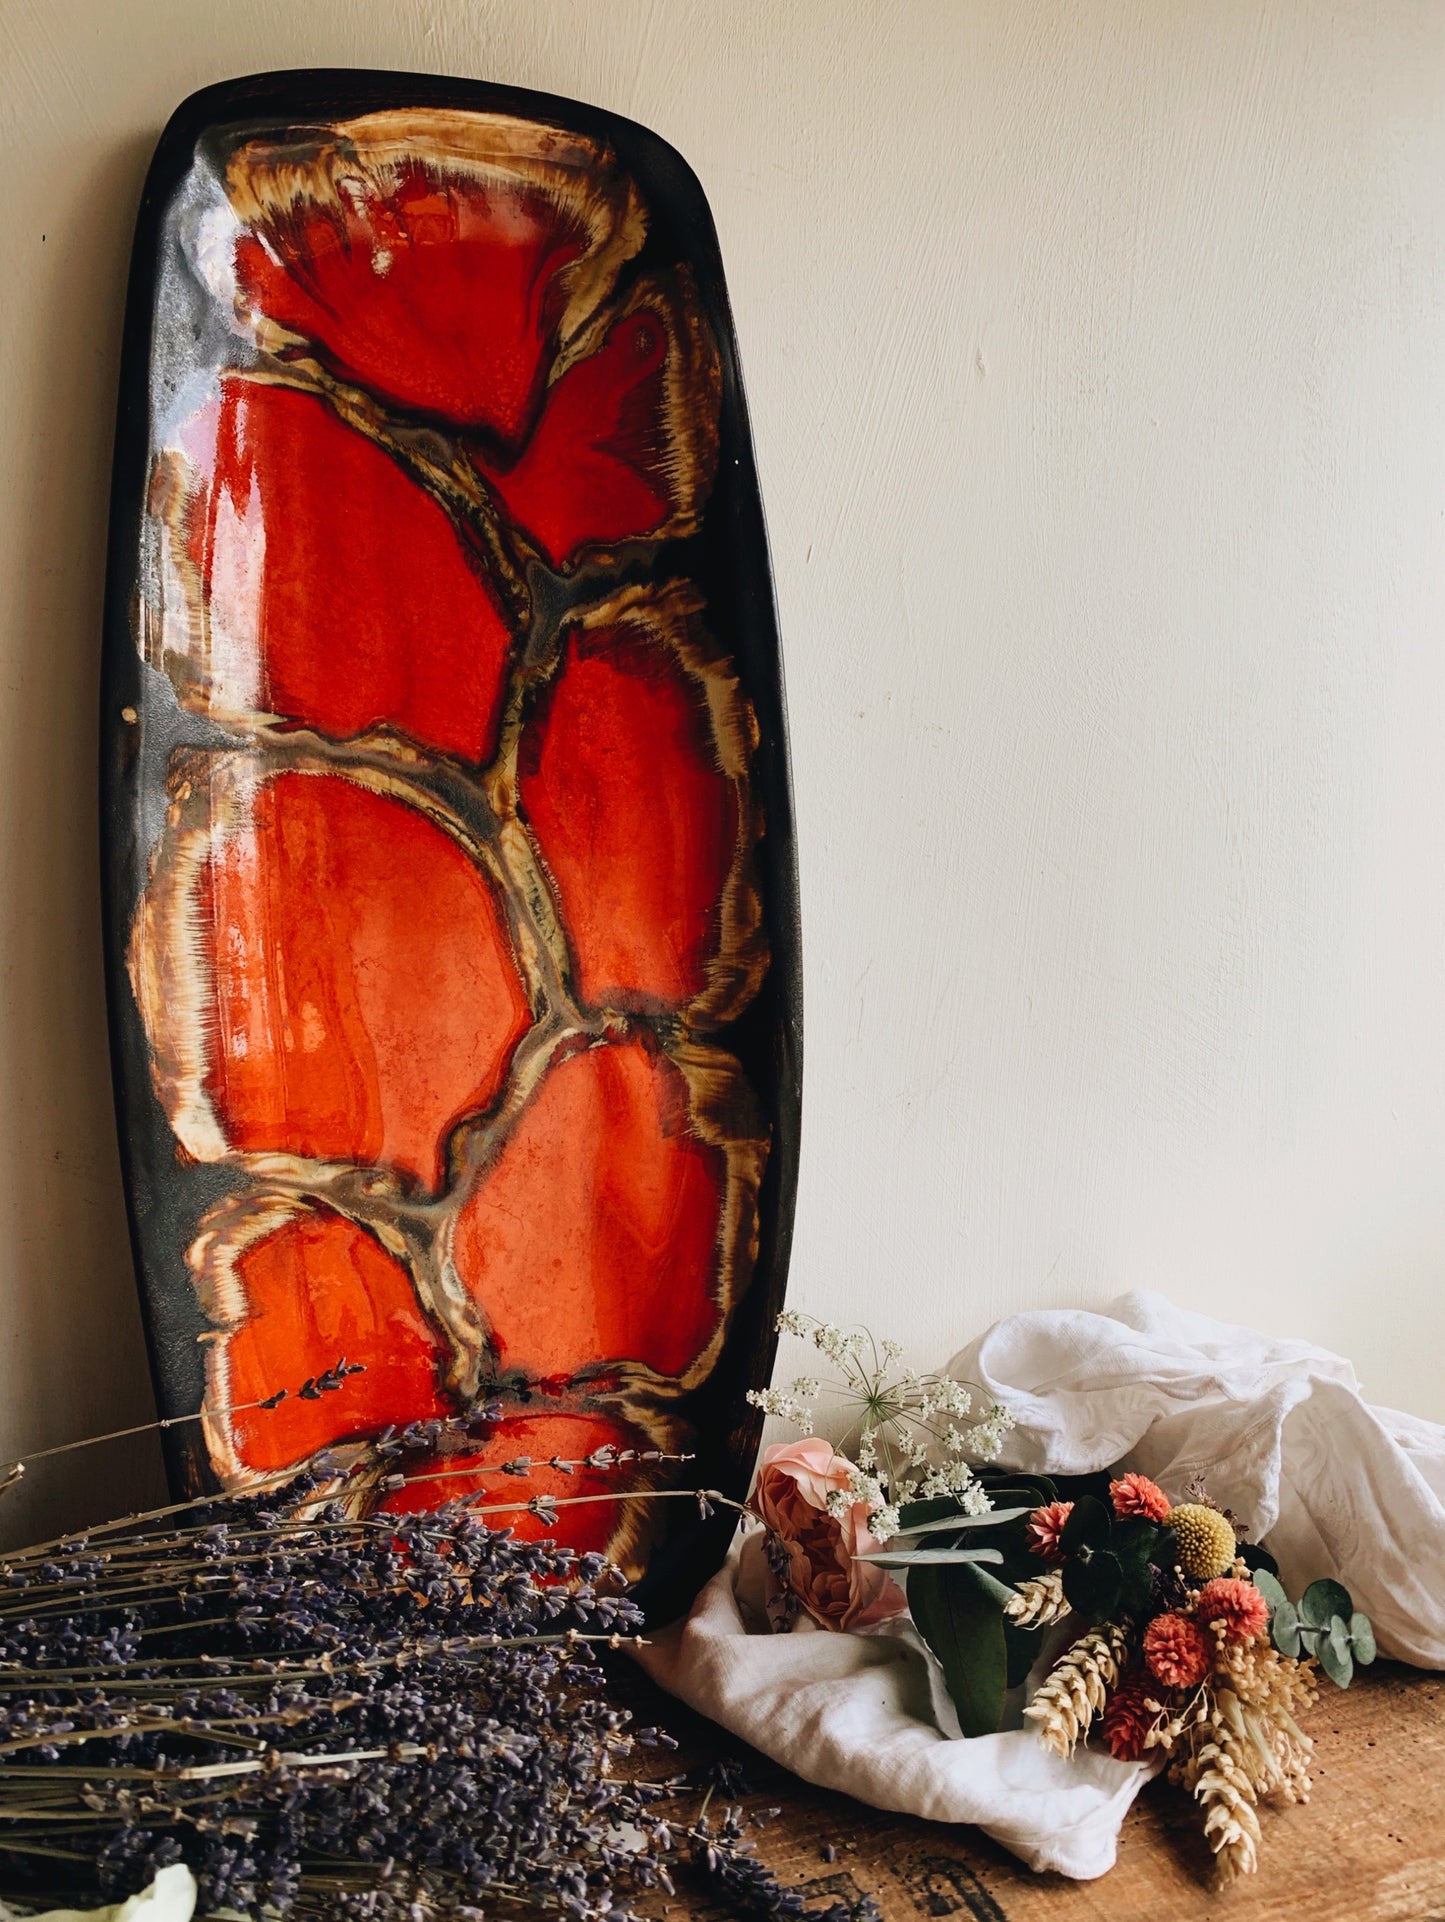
(170, 1898)
(1280, 1430)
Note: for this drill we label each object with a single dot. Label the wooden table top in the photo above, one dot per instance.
(1368, 1847)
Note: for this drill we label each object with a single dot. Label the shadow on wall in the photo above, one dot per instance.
(72, 1353)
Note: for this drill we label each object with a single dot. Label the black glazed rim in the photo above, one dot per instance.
(729, 557)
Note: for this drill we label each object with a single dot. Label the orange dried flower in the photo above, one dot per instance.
(1137, 1495)
(1126, 1722)
(1239, 1605)
(1045, 1526)
(1177, 1650)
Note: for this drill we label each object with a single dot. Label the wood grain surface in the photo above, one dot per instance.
(1369, 1846)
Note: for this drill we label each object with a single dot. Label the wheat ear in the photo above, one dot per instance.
(1038, 1602)
(1078, 1686)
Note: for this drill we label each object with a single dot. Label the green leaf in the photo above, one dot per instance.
(1257, 1559)
(1026, 1495)
(994, 1519)
(1133, 1544)
(1323, 1599)
(1362, 1639)
(958, 1614)
(1334, 1653)
(1270, 1587)
(1284, 1628)
(1135, 1541)
(1037, 1489)
(1021, 1645)
(914, 1514)
(932, 1557)
(1093, 1587)
(1073, 1488)
(1088, 1527)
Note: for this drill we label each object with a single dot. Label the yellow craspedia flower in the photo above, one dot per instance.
(1205, 1540)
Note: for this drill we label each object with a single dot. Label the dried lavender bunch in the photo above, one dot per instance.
(321, 1714)
(336, 1716)
(722, 1850)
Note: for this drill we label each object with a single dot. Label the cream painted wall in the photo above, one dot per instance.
(1096, 355)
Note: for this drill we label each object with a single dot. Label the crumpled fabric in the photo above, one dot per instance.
(1279, 1430)
(1282, 1435)
(171, 1897)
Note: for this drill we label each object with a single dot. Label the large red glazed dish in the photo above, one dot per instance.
(451, 901)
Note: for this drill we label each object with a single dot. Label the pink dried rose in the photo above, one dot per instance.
(1045, 1526)
(1137, 1495)
(819, 1550)
(1239, 1605)
(1177, 1650)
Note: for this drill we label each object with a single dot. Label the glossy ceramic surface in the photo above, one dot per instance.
(449, 854)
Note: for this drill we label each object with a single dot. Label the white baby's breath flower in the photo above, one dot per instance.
(787, 1407)
(908, 1437)
(884, 1523)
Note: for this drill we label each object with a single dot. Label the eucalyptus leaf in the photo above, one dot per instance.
(1362, 1639)
(1334, 1656)
(957, 1613)
(920, 1557)
(993, 1519)
(913, 1515)
(1323, 1599)
(1270, 1587)
(1040, 1489)
(1284, 1630)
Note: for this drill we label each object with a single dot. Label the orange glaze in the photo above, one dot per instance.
(596, 1234)
(618, 779)
(363, 993)
(344, 581)
(317, 1289)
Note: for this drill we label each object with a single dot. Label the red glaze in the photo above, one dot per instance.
(570, 1437)
(336, 586)
(440, 294)
(363, 994)
(326, 971)
(596, 469)
(595, 1236)
(317, 1289)
(619, 781)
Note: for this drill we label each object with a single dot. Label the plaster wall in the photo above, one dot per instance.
(1096, 355)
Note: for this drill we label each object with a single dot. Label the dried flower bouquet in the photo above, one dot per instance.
(1185, 1645)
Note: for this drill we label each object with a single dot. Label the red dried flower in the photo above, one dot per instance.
(1126, 1722)
(1239, 1605)
(1137, 1495)
(1045, 1526)
(1177, 1650)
